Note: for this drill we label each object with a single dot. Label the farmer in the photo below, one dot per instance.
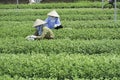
(111, 2)
(53, 20)
(41, 31)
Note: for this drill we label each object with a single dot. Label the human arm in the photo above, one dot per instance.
(57, 23)
(42, 35)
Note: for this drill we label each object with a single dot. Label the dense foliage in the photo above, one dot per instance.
(87, 48)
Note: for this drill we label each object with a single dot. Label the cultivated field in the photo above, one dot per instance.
(87, 48)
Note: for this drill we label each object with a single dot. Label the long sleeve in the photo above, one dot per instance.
(52, 22)
(58, 23)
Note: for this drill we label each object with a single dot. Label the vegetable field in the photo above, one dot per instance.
(87, 48)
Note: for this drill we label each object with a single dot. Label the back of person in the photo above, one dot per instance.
(47, 33)
(53, 20)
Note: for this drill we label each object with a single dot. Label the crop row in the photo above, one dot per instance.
(67, 24)
(67, 14)
(88, 34)
(20, 45)
(52, 5)
(63, 17)
(82, 11)
(61, 65)
(8, 77)
(91, 24)
(71, 33)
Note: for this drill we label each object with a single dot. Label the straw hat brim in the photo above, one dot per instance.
(53, 13)
(38, 22)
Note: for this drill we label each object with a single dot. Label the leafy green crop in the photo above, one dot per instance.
(61, 65)
(87, 48)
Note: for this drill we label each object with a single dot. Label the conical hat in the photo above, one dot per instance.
(53, 13)
(38, 22)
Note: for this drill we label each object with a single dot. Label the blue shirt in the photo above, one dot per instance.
(51, 22)
(39, 28)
